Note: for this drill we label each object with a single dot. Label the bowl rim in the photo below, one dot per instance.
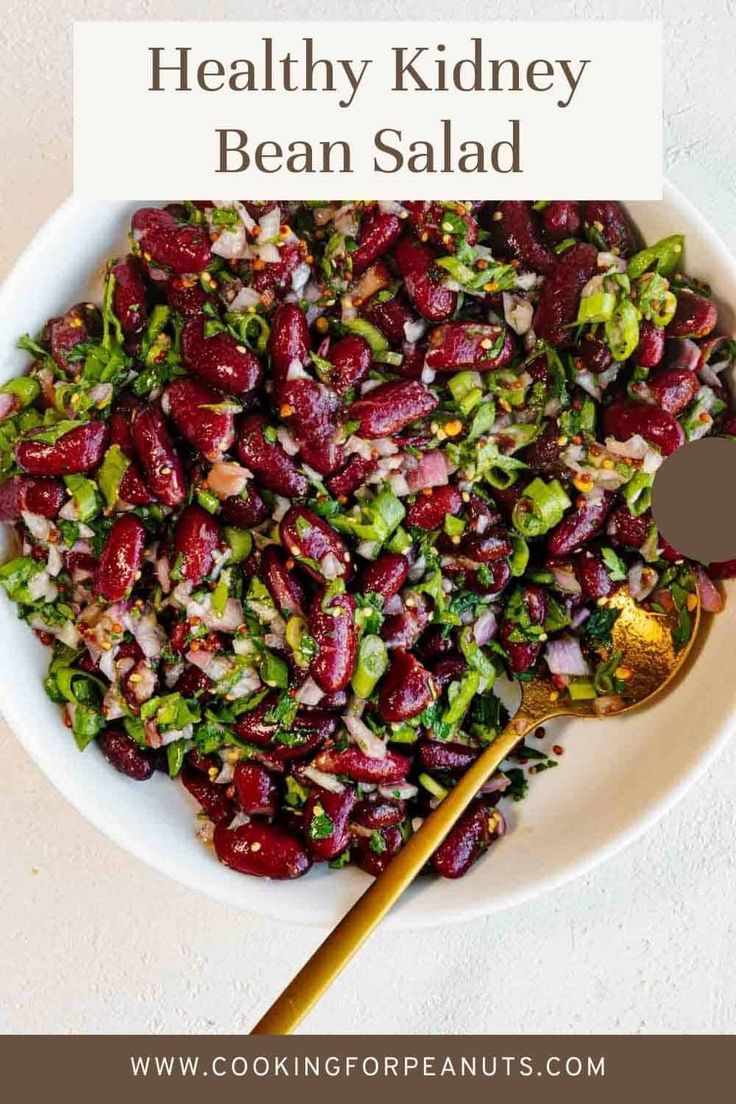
(93, 808)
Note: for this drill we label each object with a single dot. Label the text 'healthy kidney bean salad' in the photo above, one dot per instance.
(317, 477)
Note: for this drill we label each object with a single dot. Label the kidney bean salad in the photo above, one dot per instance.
(317, 477)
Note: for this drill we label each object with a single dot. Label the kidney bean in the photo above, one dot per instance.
(374, 862)
(560, 295)
(283, 584)
(593, 355)
(543, 454)
(203, 416)
(352, 476)
(392, 406)
(610, 221)
(428, 509)
(309, 539)
(377, 234)
(578, 525)
(212, 796)
(415, 262)
(80, 323)
(726, 569)
(435, 644)
(390, 316)
(245, 510)
(186, 295)
(255, 789)
(459, 345)
(78, 450)
(150, 218)
(37, 496)
(514, 226)
(465, 842)
(466, 571)
(133, 490)
(287, 342)
(627, 530)
(481, 515)
(276, 275)
(593, 575)
(695, 316)
(376, 812)
(650, 350)
(125, 755)
(561, 219)
(332, 624)
(193, 683)
(625, 419)
(536, 602)
(352, 359)
(336, 807)
(262, 850)
(219, 360)
(312, 411)
(406, 689)
(255, 728)
(359, 767)
(486, 547)
(159, 459)
(121, 559)
(522, 654)
(196, 539)
(402, 630)
(205, 764)
(386, 575)
(177, 249)
(673, 389)
(129, 294)
(274, 467)
(445, 756)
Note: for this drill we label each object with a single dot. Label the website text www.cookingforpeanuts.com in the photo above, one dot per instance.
(316, 1067)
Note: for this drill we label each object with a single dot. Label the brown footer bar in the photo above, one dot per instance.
(108, 1069)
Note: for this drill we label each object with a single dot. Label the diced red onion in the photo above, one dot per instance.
(309, 693)
(564, 656)
(325, 781)
(710, 596)
(431, 471)
(7, 404)
(367, 741)
(641, 581)
(485, 627)
(566, 580)
(498, 783)
(402, 791)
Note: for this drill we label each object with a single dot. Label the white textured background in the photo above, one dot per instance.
(92, 941)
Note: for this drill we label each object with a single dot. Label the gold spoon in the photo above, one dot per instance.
(644, 638)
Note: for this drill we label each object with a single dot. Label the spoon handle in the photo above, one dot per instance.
(330, 958)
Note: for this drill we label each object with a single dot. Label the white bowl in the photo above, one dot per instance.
(616, 778)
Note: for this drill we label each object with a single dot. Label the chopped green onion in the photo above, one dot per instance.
(274, 670)
(581, 689)
(84, 493)
(208, 501)
(24, 388)
(622, 330)
(459, 695)
(597, 307)
(114, 466)
(432, 786)
(638, 493)
(377, 341)
(519, 558)
(664, 256)
(540, 508)
(240, 541)
(175, 757)
(371, 665)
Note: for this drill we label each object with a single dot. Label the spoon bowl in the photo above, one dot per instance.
(649, 659)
